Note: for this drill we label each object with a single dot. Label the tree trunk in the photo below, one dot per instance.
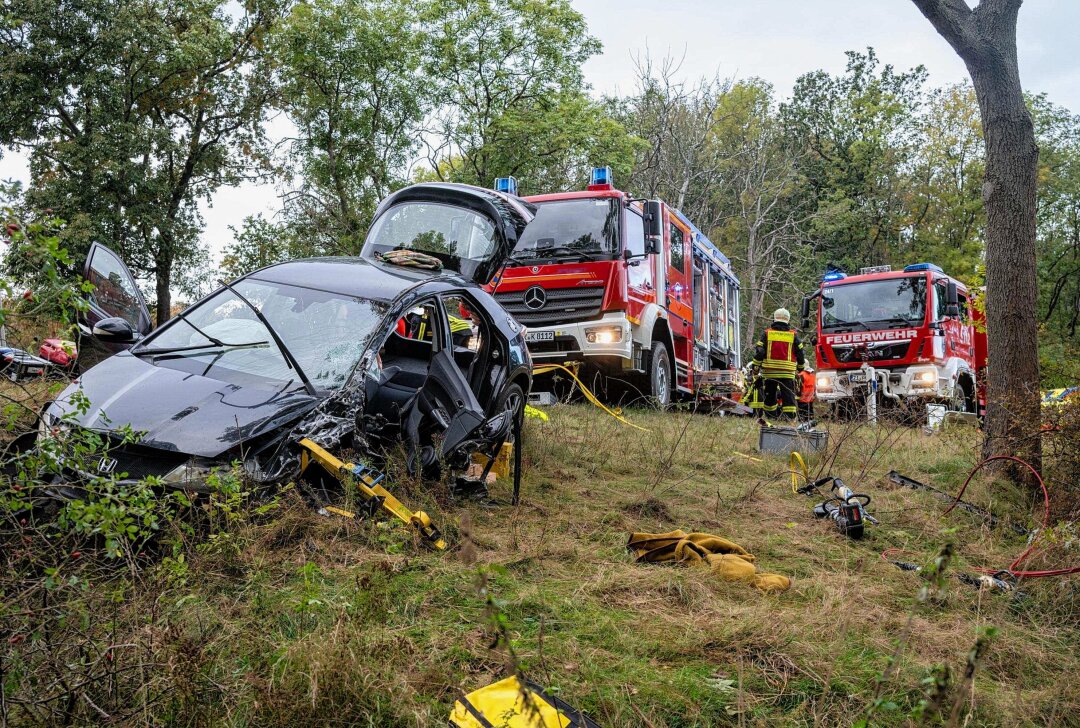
(1009, 196)
(985, 38)
(754, 288)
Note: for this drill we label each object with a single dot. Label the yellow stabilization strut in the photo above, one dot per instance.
(368, 485)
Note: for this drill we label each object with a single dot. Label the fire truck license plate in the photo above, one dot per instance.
(857, 378)
(539, 336)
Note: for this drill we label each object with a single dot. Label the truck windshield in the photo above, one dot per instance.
(889, 303)
(571, 230)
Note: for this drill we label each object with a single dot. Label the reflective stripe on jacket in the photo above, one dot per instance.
(780, 355)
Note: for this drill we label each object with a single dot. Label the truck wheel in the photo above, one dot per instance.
(960, 400)
(660, 382)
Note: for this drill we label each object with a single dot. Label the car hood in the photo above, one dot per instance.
(178, 411)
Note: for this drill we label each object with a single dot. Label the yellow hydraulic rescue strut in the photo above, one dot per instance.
(368, 485)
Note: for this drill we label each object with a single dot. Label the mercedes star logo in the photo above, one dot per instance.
(535, 298)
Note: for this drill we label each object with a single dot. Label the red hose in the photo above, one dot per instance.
(1046, 522)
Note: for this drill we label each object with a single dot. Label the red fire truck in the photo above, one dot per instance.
(629, 287)
(906, 336)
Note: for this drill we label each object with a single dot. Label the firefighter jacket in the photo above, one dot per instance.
(809, 389)
(779, 352)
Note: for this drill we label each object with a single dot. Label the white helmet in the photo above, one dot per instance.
(782, 314)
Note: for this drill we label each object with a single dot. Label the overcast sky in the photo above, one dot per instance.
(776, 40)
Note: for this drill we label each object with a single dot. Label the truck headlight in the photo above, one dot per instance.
(924, 378)
(824, 382)
(604, 335)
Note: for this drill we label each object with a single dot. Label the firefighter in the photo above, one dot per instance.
(752, 395)
(807, 393)
(778, 357)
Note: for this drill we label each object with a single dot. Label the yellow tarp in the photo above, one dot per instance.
(727, 559)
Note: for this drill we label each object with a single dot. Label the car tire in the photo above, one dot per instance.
(660, 379)
(512, 398)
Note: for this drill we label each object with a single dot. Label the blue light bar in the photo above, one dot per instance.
(833, 275)
(601, 176)
(506, 184)
(916, 267)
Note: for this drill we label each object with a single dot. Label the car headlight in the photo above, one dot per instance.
(51, 427)
(186, 476)
(924, 378)
(604, 335)
(824, 382)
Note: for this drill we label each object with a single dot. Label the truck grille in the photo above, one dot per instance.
(889, 352)
(562, 306)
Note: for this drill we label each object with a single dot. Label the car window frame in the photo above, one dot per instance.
(146, 323)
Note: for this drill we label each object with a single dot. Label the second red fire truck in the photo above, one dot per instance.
(909, 337)
(629, 287)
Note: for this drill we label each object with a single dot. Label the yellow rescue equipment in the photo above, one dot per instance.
(571, 369)
(369, 486)
(727, 559)
(511, 703)
(797, 468)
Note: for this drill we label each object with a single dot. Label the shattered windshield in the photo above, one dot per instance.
(568, 229)
(875, 304)
(223, 338)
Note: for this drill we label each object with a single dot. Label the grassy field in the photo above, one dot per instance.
(295, 619)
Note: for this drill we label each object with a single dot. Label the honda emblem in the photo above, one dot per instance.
(106, 465)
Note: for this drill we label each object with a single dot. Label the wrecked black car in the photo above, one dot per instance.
(398, 345)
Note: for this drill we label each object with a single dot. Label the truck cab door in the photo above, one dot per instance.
(957, 332)
(115, 295)
(679, 291)
(640, 276)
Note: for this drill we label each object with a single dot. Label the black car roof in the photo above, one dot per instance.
(353, 277)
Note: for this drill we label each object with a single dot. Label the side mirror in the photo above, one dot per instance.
(654, 226)
(952, 301)
(115, 330)
(806, 307)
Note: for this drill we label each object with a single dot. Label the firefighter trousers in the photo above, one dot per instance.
(779, 397)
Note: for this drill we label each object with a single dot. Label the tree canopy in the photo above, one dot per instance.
(149, 107)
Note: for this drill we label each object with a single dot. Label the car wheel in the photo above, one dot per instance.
(512, 400)
(660, 381)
